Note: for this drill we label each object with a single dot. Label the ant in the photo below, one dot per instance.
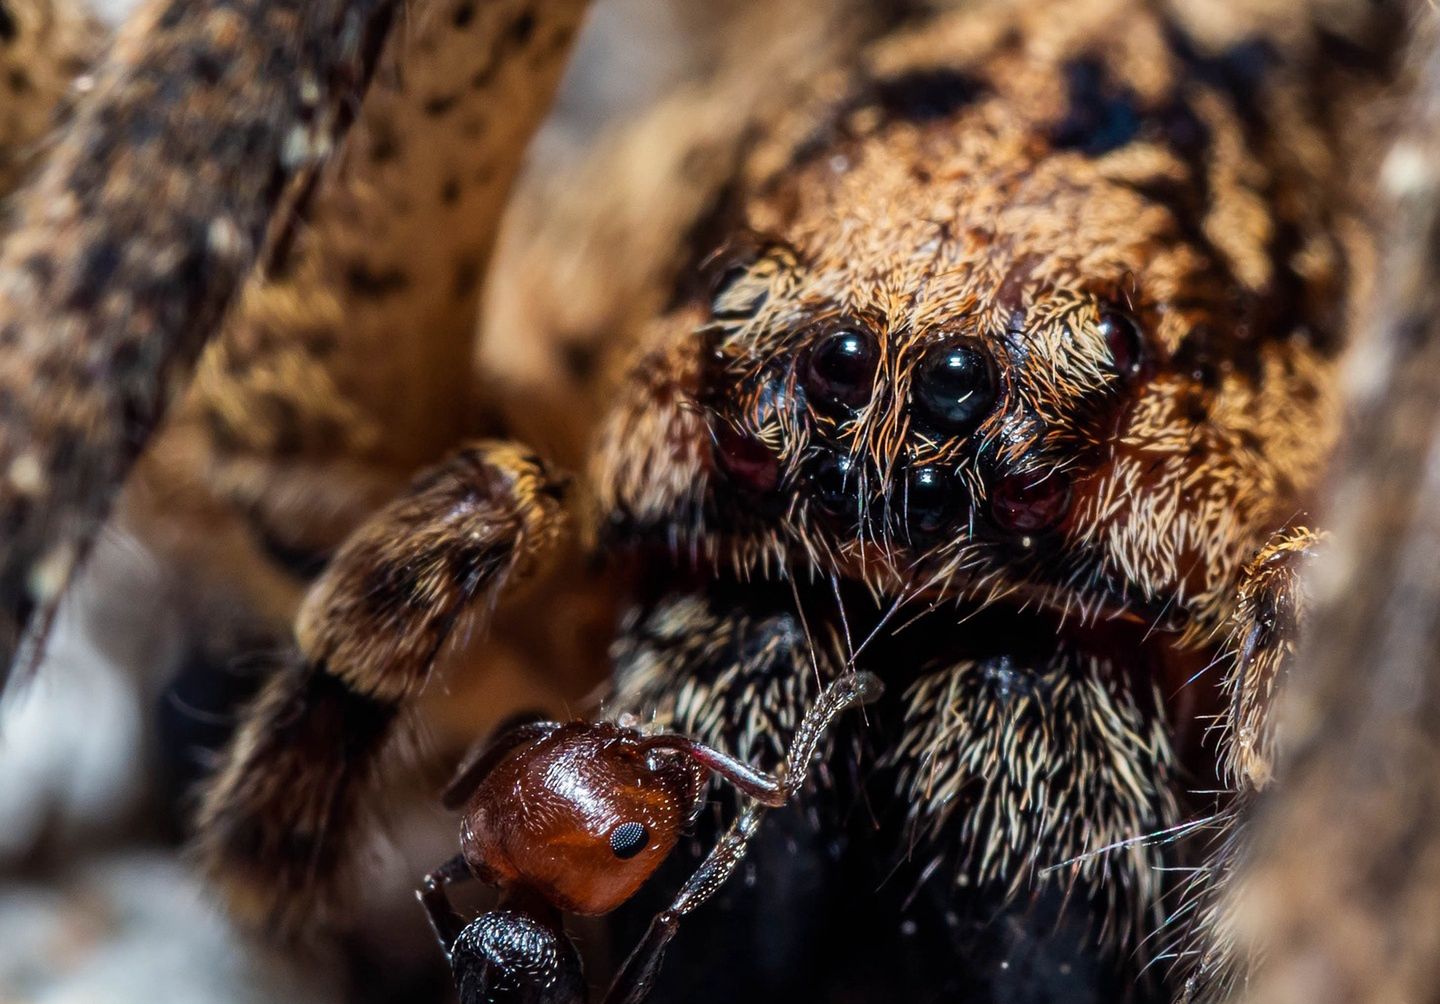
(575, 817)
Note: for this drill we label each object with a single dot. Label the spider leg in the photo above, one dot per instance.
(279, 814)
(218, 138)
(290, 421)
(206, 124)
(1262, 644)
(1260, 652)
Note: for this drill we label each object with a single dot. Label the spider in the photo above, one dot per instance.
(992, 348)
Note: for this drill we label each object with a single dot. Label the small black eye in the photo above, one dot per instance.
(629, 839)
(1124, 339)
(929, 499)
(955, 386)
(836, 484)
(841, 369)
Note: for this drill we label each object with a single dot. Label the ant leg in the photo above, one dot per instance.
(632, 985)
(444, 921)
(278, 816)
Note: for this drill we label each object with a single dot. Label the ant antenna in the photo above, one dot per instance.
(637, 976)
(764, 788)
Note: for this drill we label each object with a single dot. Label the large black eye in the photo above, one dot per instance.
(1124, 339)
(954, 386)
(629, 839)
(840, 372)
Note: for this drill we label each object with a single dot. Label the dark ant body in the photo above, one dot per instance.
(576, 817)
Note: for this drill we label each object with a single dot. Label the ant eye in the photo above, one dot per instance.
(1124, 339)
(629, 839)
(955, 386)
(841, 369)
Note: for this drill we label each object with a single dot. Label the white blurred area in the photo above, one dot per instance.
(135, 927)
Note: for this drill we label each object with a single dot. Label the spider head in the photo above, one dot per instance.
(973, 359)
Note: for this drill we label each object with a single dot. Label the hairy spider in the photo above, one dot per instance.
(990, 347)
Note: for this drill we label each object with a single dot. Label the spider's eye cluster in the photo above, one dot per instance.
(952, 390)
(949, 389)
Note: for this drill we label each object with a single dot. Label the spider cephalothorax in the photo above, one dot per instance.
(1010, 327)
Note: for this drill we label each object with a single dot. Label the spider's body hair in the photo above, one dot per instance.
(1018, 776)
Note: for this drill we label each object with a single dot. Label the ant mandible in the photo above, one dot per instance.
(576, 817)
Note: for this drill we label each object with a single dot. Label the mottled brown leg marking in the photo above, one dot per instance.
(203, 122)
(278, 819)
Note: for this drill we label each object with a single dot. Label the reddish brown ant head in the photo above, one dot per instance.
(583, 813)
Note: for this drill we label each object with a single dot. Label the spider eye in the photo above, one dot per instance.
(629, 839)
(1023, 504)
(841, 369)
(835, 482)
(749, 462)
(1124, 339)
(955, 386)
(929, 499)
